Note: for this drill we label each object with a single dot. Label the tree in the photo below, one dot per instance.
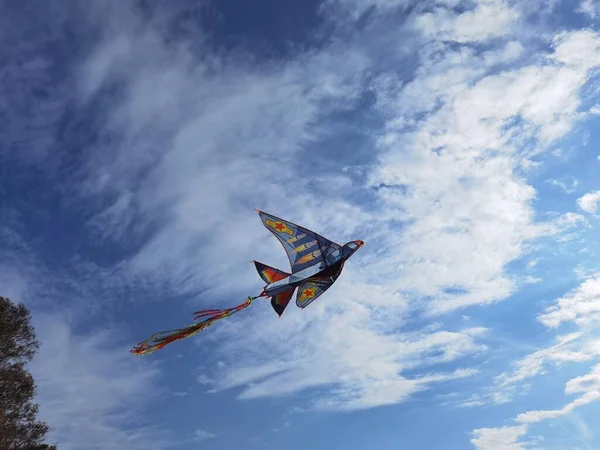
(19, 428)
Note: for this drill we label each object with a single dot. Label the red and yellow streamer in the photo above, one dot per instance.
(164, 338)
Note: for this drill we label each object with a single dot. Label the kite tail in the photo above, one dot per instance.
(208, 316)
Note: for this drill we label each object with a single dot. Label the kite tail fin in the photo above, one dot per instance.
(208, 316)
(269, 274)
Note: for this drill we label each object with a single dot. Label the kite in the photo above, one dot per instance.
(315, 264)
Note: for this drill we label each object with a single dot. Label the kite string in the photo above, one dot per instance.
(163, 338)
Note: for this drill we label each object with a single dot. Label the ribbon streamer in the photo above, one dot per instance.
(164, 338)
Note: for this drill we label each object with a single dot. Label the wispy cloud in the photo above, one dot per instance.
(90, 392)
(537, 416)
(363, 366)
(226, 129)
(567, 187)
(566, 349)
(488, 19)
(353, 10)
(505, 438)
(455, 195)
(579, 347)
(188, 138)
(203, 435)
(581, 306)
(213, 160)
(589, 8)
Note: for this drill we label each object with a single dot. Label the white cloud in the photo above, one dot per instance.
(567, 221)
(532, 280)
(566, 349)
(577, 49)
(225, 140)
(585, 383)
(203, 141)
(465, 198)
(227, 132)
(222, 150)
(362, 366)
(90, 392)
(203, 435)
(589, 8)
(589, 202)
(537, 416)
(505, 438)
(356, 8)
(578, 347)
(585, 139)
(489, 18)
(568, 187)
(512, 51)
(582, 306)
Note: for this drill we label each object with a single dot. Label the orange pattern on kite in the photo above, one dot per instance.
(309, 257)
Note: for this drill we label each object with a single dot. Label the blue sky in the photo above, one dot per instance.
(458, 139)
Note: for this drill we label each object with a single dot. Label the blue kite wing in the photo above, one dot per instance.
(308, 292)
(304, 247)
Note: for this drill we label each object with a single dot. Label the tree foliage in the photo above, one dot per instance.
(19, 428)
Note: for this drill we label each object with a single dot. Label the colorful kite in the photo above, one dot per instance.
(315, 263)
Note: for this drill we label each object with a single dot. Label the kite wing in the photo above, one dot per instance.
(309, 291)
(304, 247)
(269, 274)
(280, 301)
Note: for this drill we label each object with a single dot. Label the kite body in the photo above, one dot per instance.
(315, 264)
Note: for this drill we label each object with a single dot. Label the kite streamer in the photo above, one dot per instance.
(164, 338)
